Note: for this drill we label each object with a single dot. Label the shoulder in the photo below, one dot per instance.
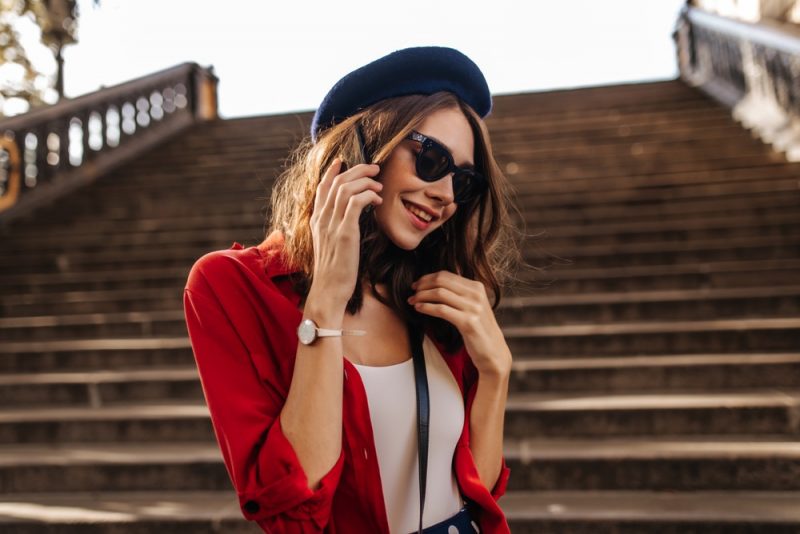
(220, 268)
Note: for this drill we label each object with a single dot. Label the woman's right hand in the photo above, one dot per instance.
(335, 229)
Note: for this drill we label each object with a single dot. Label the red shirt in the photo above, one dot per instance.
(242, 316)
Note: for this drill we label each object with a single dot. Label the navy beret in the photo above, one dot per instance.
(410, 71)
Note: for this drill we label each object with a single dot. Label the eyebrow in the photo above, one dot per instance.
(466, 166)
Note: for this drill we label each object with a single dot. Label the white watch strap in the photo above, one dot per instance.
(327, 332)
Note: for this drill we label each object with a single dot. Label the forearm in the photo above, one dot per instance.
(311, 418)
(486, 425)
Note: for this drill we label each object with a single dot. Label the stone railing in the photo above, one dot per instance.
(53, 150)
(752, 68)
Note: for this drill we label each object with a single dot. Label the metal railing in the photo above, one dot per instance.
(53, 150)
(752, 68)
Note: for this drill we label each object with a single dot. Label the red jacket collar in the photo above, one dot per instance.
(271, 250)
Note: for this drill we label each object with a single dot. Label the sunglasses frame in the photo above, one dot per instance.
(428, 144)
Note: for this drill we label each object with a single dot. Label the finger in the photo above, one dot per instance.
(334, 180)
(449, 314)
(350, 189)
(448, 279)
(327, 181)
(444, 295)
(356, 204)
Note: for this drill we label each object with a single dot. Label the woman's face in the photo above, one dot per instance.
(402, 186)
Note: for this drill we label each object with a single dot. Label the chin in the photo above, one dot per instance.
(405, 241)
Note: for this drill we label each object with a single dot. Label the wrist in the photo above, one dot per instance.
(325, 312)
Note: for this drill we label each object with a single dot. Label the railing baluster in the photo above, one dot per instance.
(110, 131)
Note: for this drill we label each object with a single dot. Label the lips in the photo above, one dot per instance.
(415, 220)
(433, 214)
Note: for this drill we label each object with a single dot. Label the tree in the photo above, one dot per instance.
(58, 22)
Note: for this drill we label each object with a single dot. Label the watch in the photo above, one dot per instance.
(308, 332)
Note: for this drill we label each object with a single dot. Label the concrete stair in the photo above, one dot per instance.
(656, 381)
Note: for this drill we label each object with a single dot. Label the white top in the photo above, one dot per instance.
(392, 399)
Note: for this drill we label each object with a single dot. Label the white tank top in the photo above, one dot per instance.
(391, 396)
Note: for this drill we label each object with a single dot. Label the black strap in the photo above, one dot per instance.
(415, 334)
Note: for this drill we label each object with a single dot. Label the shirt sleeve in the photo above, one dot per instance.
(499, 488)
(269, 480)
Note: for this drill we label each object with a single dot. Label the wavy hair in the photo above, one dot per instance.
(477, 242)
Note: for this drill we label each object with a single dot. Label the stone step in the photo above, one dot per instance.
(603, 179)
(599, 308)
(530, 194)
(639, 253)
(165, 323)
(83, 302)
(721, 143)
(97, 388)
(258, 175)
(94, 354)
(86, 219)
(544, 465)
(664, 512)
(124, 512)
(565, 278)
(135, 425)
(682, 372)
(729, 463)
(528, 512)
(656, 337)
(102, 467)
(560, 414)
(662, 128)
(608, 307)
(600, 178)
(638, 337)
(781, 225)
(653, 413)
(166, 278)
(659, 253)
(555, 222)
(756, 206)
(561, 278)
(624, 374)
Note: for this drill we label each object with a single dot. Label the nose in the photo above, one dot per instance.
(441, 189)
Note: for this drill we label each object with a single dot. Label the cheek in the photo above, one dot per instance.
(449, 212)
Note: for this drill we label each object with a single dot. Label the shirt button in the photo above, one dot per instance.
(365, 454)
(251, 507)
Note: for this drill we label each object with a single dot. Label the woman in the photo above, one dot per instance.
(389, 238)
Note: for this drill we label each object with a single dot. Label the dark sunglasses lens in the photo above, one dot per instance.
(432, 163)
(467, 185)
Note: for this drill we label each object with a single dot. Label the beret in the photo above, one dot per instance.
(417, 70)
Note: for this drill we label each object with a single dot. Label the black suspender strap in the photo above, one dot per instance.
(415, 333)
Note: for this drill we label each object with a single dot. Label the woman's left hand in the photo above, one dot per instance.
(465, 304)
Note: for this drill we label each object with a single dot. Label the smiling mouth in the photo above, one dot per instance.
(418, 213)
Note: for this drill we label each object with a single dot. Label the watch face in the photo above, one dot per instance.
(306, 332)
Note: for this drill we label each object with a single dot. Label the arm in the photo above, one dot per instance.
(312, 415)
(271, 482)
(486, 430)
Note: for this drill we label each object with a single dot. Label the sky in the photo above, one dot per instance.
(281, 56)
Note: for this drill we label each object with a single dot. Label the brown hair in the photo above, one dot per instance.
(477, 242)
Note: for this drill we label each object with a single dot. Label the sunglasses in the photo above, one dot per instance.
(434, 162)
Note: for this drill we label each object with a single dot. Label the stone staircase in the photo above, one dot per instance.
(656, 383)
